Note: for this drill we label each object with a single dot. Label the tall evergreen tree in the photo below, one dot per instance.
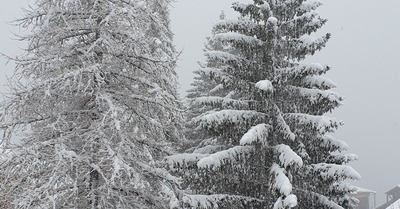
(93, 107)
(258, 115)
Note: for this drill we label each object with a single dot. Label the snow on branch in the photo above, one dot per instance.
(308, 6)
(166, 191)
(208, 149)
(303, 70)
(323, 200)
(202, 201)
(282, 125)
(342, 158)
(214, 100)
(257, 12)
(304, 23)
(223, 56)
(216, 88)
(118, 165)
(287, 156)
(159, 172)
(311, 44)
(217, 159)
(272, 20)
(312, 69)
(250, 27)
(247, 24)
(216, 73)
(213, 118)
(343, 187)
(226, 57)
(239, 38)
(287, 202)
(180, 160)
(265, 85)
(281, 181)
(211, 201)
(330, 141)
(316, 95)
(69, 77)
(334, 171)
(319, 82)
(113, 111)
(258, 133)
(144, 99)
(322, 124)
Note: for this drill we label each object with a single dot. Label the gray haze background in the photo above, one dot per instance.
(364, 54)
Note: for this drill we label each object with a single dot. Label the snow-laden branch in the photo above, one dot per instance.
(265, 85)
(209, 120)
(256, 134)
(213, 201)
(323, 124)
(281, 181)
(318, 82)
(334, 171)
(287, 156)
(283, 127)
(230, 155)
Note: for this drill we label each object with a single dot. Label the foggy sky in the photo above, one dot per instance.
(364, 53)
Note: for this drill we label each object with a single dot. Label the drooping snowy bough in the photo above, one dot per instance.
(257, 115)
(92, 108)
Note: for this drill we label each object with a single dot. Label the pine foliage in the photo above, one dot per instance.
(93, 107)
(257, 114)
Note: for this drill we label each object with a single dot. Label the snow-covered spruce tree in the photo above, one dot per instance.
(92, 108)
(258, 115)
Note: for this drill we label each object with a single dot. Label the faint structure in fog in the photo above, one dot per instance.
(366, 197)
(392, 199)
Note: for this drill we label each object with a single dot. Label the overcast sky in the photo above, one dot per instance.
(364, 54)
